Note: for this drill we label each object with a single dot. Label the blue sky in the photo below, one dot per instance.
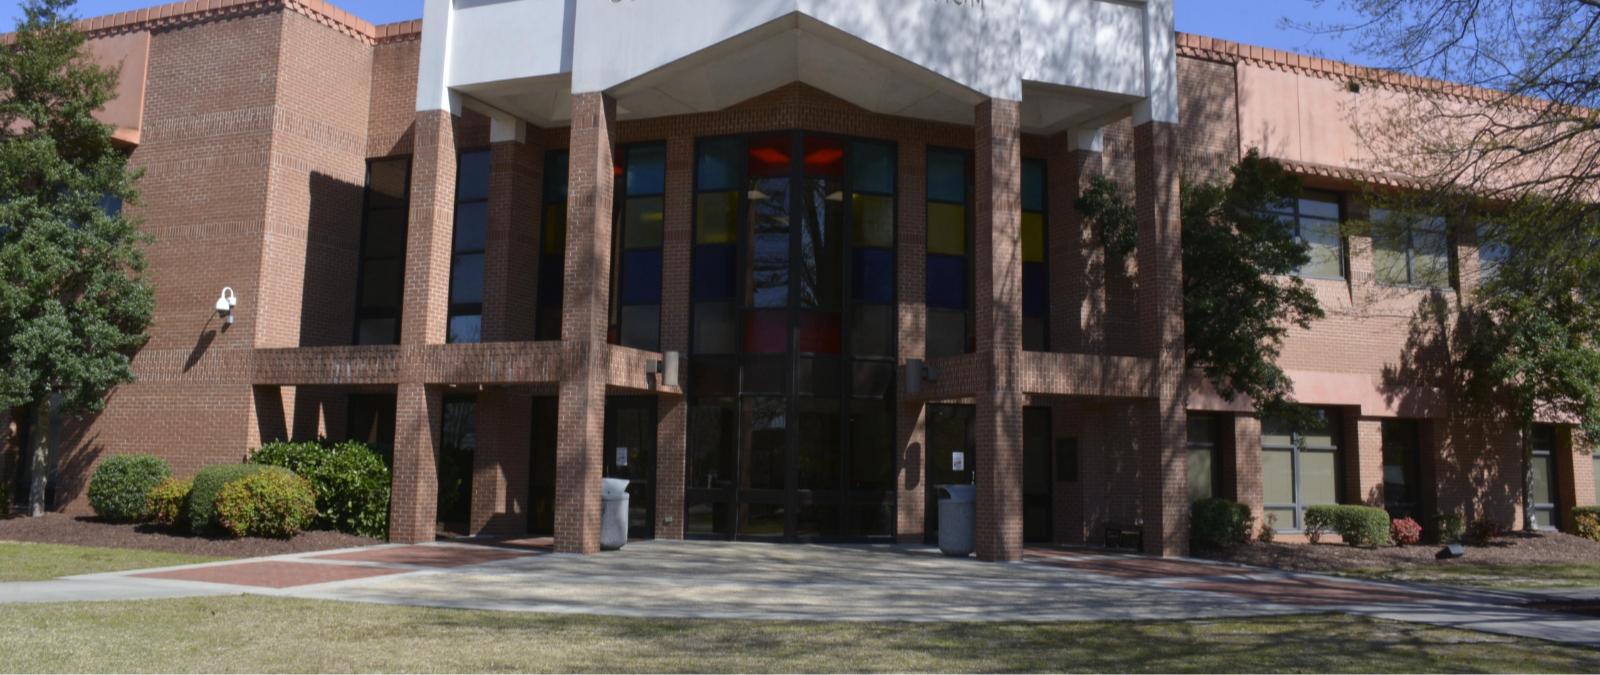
(1248, 21)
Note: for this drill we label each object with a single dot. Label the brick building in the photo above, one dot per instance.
(787, 264)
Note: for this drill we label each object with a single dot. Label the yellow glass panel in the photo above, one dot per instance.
(1033, 237)
(555, 229)
(717, 218)
(643, 228)
(874, 221)
(947, 229)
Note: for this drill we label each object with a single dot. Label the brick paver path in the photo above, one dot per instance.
(273, 573)
(429, 556)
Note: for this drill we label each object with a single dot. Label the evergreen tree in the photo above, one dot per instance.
(73, 308)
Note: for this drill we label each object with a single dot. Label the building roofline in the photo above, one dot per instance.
(192, 11)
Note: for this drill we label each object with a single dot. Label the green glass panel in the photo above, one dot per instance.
(1033, 249)
(1319, 483)
(644, 219)
(1277, 476)
(1542, 494)
(717, 218)
(555, 229)
(1284, 519)
(873, 221)
(1200, 473)
(947, 229)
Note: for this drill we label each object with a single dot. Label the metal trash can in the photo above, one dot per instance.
(958, 515)
(613, 513)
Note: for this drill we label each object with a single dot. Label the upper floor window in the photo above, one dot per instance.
(1035, 259)
(636, 291)
(468, 247)
(1493, 253)
(949, 264)
(381, 274)
(552, 247)
(1314, 220)
(1410, 250)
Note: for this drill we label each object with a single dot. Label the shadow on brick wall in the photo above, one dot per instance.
(333, 256)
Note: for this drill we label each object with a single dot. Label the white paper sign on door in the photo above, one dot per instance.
(958, 461)
(622, 456)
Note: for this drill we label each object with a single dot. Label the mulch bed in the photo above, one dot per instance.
(1517, 548)
(56, 528)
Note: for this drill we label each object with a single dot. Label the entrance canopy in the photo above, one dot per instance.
(1073, 63)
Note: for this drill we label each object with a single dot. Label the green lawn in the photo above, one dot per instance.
(37, 562)
(267, 634)
(1576, 575)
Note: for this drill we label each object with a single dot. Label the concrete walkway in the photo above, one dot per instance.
(717, 580)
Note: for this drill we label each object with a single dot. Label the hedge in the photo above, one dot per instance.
(208, 486)
(1586, 511)
(1359, 525)
(120, 484)
(169, 501)
(266, 504)
(349, 479)
(1219, 522)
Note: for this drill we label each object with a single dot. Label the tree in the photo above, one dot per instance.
(1240, 297)
(1507, 151)
(73, 306)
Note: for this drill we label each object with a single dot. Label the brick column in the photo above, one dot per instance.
(414, 502)
(1163, 451)
(432, 222)
(511, 262)
(911, 252)
(1243, 476)
(583, 326)
(1363, 459)
(998, 289)
(1076, 258)
(500, 463)
(1575, 473)
(672, 426)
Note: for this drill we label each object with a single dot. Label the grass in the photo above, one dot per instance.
(38, 562)
(269, 634)
(1572, 575)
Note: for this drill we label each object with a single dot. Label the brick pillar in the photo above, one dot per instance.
(432, 222)
(500, 463)
(511, 263)
(1076, 258)
(998, 290)
(1363, 459)
(1163, 465)
(1244, 470)
(672, 428)
(414, 502)
(1575, 475)
(584, 321)
(911, 497)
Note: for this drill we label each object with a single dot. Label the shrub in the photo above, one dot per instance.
(1588, 526)
(1450, 528)
(349, 479)
(120, 484)
(1269, 528)
(1581, 511)
(168, 503)
(1405, 531)
(266, 504)
(1364, 525)
(1320, 519)
(1219, 522)
(1484, 530)
(208, 486)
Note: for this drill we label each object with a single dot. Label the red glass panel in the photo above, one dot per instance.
(766, 332)
(819, 333)
(824, 156)
(769, 156)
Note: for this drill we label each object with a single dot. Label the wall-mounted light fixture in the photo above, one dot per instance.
(918, 372)
(667, 367)
(226, 303)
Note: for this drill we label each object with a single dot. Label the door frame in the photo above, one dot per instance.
(646, 492)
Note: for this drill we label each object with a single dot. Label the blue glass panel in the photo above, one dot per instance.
(111, 205)
(472, 176)
(1033, 185)
(641, 277)
(873, 275)
(1034, 290)
(715, 272)
(555, 176)
(947, 176)
(947, 282)
(465, 329)
(472, 222)
(872, 168)
(647, 170)
(719, 165)
(550, 281)
(466, 284)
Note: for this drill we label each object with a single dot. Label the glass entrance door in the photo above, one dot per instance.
(1037, 478)
(630, 453)
(952, 449)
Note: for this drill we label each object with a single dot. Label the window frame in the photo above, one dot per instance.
(619, 245)
(398, 311)
(1552, 477)
(1044, 215)
(1214, 446)
(468, 308)
(1409, 249)
(1296, 215)
(1335, 421)
(549, 303)
(969, 340)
